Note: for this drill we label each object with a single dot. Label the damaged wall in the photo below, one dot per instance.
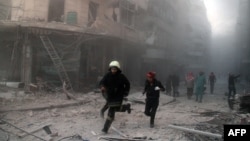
(120, 31)
(29, 10)
(80, 8)
(141, 3)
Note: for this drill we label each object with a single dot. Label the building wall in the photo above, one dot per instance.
(81, 7)
(199, 36)
(5, 10)
(28, 10)
(141, 3)
(32, 10)
(164, 22)
(243, 38)
(104, 22)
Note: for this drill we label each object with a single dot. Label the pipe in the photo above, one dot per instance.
(196, 131)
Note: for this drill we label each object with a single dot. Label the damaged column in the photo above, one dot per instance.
(26, 67)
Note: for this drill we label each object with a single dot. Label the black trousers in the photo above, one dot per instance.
(111, 114)
(151, 108)
(190, 92)
(105, 107)
(231, 89)
(211, 87)
(175, 91)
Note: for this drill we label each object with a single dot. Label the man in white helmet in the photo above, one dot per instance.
(116, 86)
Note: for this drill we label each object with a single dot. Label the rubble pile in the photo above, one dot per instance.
(245, 103)
(69, 119)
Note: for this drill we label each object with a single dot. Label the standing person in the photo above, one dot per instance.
(231, 84)
(190, 84)
(212, 80)
(152, 89)
(116, 86)
(199, 86)
(175, 84)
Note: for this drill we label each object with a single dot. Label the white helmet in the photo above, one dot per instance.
(114, 64)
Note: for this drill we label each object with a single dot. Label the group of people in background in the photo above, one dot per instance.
(194, 84)
(115, 88)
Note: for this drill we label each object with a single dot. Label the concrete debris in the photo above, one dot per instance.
(119, 139)
(119, 132)
(81, 117)
(33, 131)
(245, 103)
(68, 94)
(80, 102)
(30, 113)
(136, 100)
(15, 84)
(12, 125)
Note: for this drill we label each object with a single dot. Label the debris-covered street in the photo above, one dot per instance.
(80, 119)
(124, 70)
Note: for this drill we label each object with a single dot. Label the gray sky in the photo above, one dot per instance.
(222, 15)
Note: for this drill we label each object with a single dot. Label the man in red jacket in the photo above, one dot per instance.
(152, 89)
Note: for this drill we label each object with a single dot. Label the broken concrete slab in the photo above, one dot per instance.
(15, 84)
(75, 103)
(33, 131)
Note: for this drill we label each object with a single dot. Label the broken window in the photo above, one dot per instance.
(127, 11)
(92, 12)
(56, 10)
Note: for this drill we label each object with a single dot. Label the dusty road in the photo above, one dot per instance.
(71, 118)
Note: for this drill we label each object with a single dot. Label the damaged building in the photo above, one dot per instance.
(78, 38)
(243, 42)
(57, 41)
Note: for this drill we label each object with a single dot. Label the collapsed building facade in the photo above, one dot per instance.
(73, 41)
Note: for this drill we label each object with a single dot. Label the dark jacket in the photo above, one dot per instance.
(117, 86)
(231, 80)
(175, 80)
(150, 89)
(212, 78)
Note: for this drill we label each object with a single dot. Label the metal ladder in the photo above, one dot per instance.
(56, 61)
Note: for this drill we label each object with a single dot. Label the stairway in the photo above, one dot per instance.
(56, 61)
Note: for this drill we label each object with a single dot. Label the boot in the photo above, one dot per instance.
(151, 122)
(152, 125)
(128, 108)
(125, 108)
(107, 126)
